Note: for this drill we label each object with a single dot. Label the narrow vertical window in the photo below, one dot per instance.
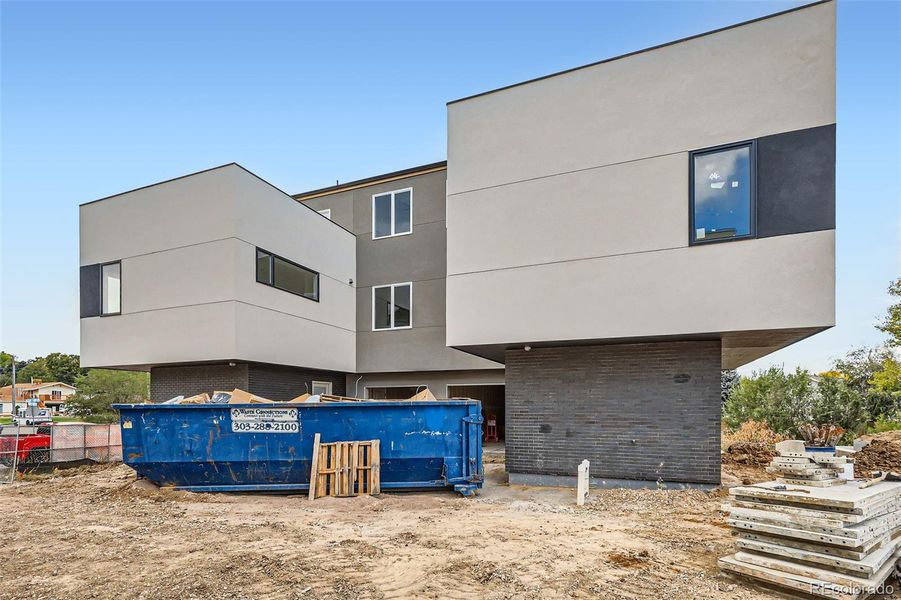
(392, 306)
(722, 193)
(111, 289)
(381, 216)
(392, 213)
(264, 267)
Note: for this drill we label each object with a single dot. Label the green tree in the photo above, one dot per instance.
(891, 324)
(782, 400)
(858, 368)
(837, 402)
(729, 378)
(887, 380)
(785, 401)
(64, 367)
(101, 388)
(34, 369)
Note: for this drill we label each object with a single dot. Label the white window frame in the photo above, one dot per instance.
(392, 286)
(103, 282)
(326, 212)
(393, 193)
(326, 384)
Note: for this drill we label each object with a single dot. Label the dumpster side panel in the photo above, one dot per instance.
(423, 444)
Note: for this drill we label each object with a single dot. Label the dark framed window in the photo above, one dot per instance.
(723, 193)
(111, 288)
(281, 273)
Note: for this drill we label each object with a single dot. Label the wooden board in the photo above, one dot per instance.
(819, 538)
(827, 576)
(788, 520)
(853, 554)
(314, 472)
(866, 566)
(813, 481)
(816, 572)
(346, 469)
(802, 470)
(825, 515)
(849, 497)
(810, 585)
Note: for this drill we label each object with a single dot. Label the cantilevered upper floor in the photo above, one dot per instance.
(211, 267)
(682, 192)
(220, 266)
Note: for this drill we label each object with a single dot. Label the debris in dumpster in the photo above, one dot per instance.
(333, 398)
(344, 469)
(220, 397)
(300, 399)
(424, 395)
(174, 400)
(198, 399)
(242, 397)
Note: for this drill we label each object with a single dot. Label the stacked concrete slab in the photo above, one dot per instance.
(834, 542)
(816, 469)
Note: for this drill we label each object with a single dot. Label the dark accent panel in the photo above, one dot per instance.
(796, 182)
(89, 288)
(168, 382)
(283, 383)
(635, 411)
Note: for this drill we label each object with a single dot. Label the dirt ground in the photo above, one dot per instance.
(96, 532)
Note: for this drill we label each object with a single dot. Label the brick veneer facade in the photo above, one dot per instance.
(635, 411)
(269, 381)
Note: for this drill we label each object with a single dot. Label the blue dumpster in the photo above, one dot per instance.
(269, 447)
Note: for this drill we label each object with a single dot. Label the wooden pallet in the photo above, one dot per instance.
(345, 469)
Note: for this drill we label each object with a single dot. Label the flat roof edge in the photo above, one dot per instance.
(334, 189)
(641, 51)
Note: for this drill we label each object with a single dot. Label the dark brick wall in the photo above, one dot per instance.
(635, 411)
(283, 383)
(167, 382)
(269, 381)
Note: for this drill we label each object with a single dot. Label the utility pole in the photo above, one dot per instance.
(14, 387)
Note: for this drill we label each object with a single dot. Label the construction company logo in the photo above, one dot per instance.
(265, 420)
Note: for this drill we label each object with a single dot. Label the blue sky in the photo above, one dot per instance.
(99, 98)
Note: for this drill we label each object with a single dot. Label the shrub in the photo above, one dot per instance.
(752, 431)
(101, 388)
(786, 401)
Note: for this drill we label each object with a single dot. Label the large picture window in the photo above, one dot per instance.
(111, 289)
(392, 213)
(392, 306)
(722, 195)
(285, 275)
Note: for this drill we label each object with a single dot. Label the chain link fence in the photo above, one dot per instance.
(26, 448)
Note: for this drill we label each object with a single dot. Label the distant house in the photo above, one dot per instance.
(53, 394)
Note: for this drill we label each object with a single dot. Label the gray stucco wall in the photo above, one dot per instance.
(635, 411)
(420, 257)
(189, 289)
(568, 196)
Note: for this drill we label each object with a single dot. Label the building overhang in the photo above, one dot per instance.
(738, 347)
